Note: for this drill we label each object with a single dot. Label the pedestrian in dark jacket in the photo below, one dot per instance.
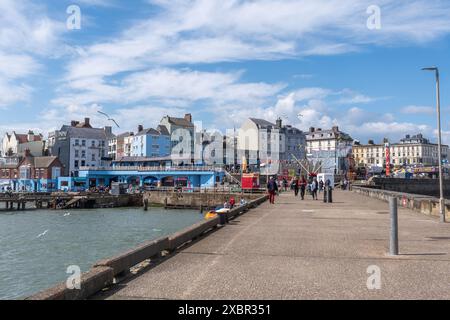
(272, 188)
(302, 185)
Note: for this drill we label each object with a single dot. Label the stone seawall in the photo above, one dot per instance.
(423, 204)
(428, 187)
(194, 199)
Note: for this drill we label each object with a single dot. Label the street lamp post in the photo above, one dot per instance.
(441, 177)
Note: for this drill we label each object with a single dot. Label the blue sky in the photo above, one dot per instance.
(224, 61)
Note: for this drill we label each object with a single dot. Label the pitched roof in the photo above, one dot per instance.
(124, 135)
(44, 162)
(23, 138)
(164, 131)
(262, 123)
(85, 133)
(40, 162)
(150, 131)
(180, 122)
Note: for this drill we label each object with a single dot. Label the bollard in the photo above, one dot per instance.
(330, 195)
(223, 218)
(393, 245)
(325, 194)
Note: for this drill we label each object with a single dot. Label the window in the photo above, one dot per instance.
(77, 142)
(83, 154)
(76, 164)
(93, 143)
(77, 153)
(83, 143)
(93, 157)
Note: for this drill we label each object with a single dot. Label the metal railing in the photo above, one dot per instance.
(155, 168)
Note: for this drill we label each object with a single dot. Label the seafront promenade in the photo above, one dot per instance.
(305, 250)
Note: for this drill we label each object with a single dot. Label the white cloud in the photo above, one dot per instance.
(26, 35)
(418, 110)
(167, 85)
(208, 31)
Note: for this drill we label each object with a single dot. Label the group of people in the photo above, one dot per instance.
(299, 185)
(232, 203)
(302, 185)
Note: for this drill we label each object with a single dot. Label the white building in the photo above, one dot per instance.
(259, 141)
(411, 150)
(182, 133)
(329, 147)
(119, 145)
(17, 144)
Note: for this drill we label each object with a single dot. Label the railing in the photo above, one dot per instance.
(155, 168)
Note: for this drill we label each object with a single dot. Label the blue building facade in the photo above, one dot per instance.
(151, 143)
(195, 178)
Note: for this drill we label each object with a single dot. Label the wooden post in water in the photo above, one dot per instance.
(145, 204)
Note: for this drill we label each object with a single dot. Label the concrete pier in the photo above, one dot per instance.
(305, 250)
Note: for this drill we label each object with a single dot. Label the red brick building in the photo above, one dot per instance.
(40, 168)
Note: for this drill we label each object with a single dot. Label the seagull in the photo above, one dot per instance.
(42, 234)
(157, 230)
(67, 214)
(109, 118)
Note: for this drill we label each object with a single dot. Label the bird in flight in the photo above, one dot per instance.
(109, 118)
(43, 234)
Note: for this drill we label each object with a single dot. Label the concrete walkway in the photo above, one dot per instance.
(305, 250)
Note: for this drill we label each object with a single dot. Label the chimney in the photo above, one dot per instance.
(279, 123)
(312, 129)
(336, 129)
(74, 123)
(140, 128)
(188, 117)
(108, 131)
(30, 136)
(371, 142)
(87, 122)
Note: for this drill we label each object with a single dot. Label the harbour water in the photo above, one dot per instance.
(37, 247)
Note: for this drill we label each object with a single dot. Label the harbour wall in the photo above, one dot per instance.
(428, 187)
(194, 199)
(424, 204)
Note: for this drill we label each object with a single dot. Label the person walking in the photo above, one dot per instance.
(272, 188)
(321, 185)
(302, 185)
(295, 186)
(314, 188)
